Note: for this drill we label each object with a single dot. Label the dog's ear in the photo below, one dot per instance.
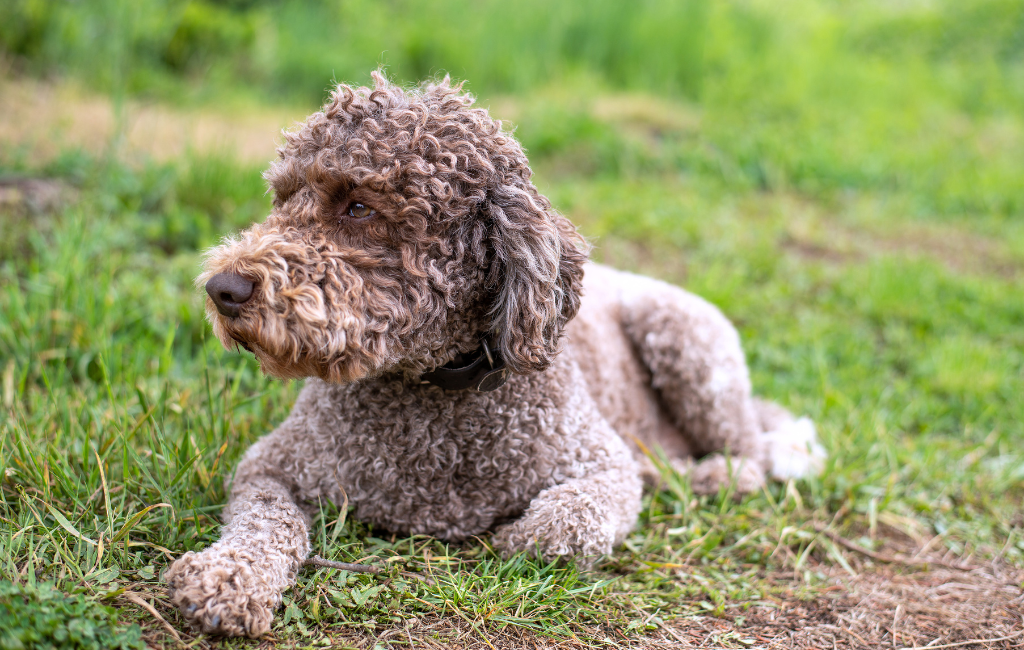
(537, 273)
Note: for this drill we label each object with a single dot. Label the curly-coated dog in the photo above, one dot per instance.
(413, 272)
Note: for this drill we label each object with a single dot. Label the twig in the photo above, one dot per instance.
(316, 560)
(895, 622)
(138, 600)
(855, 635)
(672, 632)
(888, 559)
(960, 643)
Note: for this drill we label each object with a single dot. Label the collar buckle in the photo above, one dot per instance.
(486, 372)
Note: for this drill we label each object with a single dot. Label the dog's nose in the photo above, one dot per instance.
(229, 292)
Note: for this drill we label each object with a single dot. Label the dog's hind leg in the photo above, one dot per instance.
(233, 587)
(699, 371)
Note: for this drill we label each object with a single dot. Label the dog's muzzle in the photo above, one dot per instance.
(229, 292)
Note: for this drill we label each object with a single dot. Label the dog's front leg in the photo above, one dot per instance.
(582, 517)
(233, 586)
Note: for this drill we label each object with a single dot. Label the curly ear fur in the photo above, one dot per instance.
(538, 262)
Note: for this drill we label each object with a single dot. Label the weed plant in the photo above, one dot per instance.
(38, 616)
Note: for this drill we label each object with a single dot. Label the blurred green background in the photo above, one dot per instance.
(845, 179)
(818, 96)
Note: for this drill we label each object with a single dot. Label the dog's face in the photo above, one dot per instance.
(405, 228)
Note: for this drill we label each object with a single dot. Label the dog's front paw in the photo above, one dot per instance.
(562, 523)
(222, 591)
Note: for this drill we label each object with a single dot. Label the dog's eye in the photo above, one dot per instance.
(360, 211)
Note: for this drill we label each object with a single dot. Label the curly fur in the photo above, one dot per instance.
(461, 246)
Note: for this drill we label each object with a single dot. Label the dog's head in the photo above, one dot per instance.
(404, 230)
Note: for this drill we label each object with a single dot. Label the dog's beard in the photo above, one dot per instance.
(292, 369)
(284, 355)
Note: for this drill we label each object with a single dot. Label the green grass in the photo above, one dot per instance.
(912, 369)
(843, 180)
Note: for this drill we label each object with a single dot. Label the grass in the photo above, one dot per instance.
(843, 180)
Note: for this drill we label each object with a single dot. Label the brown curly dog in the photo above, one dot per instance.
(413, 272)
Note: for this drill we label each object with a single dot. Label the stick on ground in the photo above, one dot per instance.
(888, 559)
(316, 560)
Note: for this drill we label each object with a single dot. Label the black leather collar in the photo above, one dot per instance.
(485, 371)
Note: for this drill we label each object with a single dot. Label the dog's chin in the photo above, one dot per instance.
(285, 369)
(304, 366)
(288, 364)
(344, 372)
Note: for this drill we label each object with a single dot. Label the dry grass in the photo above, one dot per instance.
(46, 118)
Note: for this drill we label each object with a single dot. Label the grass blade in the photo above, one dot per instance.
(128, 525)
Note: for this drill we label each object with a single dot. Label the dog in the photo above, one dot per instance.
(468, 369)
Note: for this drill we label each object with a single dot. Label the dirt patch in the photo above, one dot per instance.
(980, 608)
(809, 250)
(21, 196)
(957, 250)
(27, 207)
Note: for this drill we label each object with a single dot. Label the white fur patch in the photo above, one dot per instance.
(794, 450)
